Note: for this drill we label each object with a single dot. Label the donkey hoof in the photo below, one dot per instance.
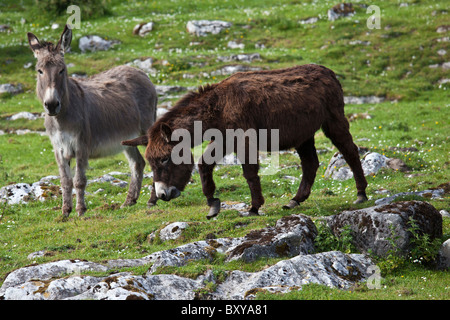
(361, 199)
(292, 204)
(128, 204)
(81, 211)
(214, 208)
(253, 212)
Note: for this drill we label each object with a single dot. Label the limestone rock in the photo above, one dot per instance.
(444, 256)
(191, 251)
(48, 271)
(340, 10)
(25, 115)
(291, 236)
(374, 228)
(227, 70)
(162, 90)
(203, 27)
(334, 269)
(155, 287)
(145, 64)
(362, 100)
(240, 57)
(10, 88)
(173, 231)
(235, 45)
(433, 194)
(371, 163)
(143, 28)
(94, 43)
(109, 178)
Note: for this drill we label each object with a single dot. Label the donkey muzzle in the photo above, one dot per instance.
(53, 107)
(166, 193)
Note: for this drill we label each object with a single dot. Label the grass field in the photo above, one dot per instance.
(391, 62)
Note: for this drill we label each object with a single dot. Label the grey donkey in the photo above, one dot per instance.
(89, 118)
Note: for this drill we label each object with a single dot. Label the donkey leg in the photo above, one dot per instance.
(338, 132)
(66, 183)
(80, 183)
(137, 165)
(208, 187)
(153, 198)
(310, 164)
(254, 183)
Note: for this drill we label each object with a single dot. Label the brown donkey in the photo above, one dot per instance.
(297, 101)
(89, 118)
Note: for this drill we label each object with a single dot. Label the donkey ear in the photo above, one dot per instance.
(166, 132)
(66, 38)
(35, 45)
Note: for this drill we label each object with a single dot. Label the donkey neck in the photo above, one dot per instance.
(193, 108)
(71, 108)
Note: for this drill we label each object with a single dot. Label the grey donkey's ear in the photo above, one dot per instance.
(35, 45)
(66, 38)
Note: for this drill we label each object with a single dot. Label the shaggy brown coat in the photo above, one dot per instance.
(298, 101)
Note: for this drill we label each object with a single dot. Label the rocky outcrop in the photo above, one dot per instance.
(57, 280)
(386, 228)
(334, 269)
(291, 236)
(373, 229)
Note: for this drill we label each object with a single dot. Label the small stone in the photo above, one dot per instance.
(443, 29)
(340, 10)
(309, 20)
(203, 27)
(10, 88)
(94, 43)
(143, 28)
(235, 45)
(37, 254)
(24, 115)
(145, 64)
(173, 231)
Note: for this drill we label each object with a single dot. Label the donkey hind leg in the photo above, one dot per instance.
(338, 132)
(254, 183)
(137, 164)
(310, 164)
(208, 187)
(79, 183)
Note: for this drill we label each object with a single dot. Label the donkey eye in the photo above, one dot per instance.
(40, 71)
(62, 71)
(165, 160)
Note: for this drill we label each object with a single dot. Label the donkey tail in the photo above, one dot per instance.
(140, 141)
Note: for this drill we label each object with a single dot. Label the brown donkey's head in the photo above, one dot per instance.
(51, 71)
(169, 175)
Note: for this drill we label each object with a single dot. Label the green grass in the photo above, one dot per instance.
(394, 65)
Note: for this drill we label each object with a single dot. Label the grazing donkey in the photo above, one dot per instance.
(88, 118)
(297, 101)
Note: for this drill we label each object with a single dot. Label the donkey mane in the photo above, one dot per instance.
(193, 99)
(181, 114)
